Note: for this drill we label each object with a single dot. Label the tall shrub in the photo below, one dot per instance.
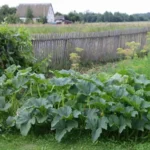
(15, 47)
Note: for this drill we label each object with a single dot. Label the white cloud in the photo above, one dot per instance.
(65, 6)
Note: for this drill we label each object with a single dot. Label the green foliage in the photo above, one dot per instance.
(28, 21)
(43, 65)
(6, 11)
(106, 17)
(146, 48)
(15, 47)
(12, 19)
(133, 49)
(69, 100)
(75, 58)
(29, 13)
(130, 52)
(43, 20)
(73, 16)
(140, 65)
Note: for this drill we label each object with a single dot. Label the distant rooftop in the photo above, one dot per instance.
(38, 9)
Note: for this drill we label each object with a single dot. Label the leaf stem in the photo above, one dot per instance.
(38, 91)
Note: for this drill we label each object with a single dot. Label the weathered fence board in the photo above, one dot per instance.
(100, 46)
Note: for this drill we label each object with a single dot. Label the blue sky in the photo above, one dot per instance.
(65, 6)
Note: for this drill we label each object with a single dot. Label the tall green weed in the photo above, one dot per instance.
(15, 47)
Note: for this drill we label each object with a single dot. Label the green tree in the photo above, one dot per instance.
(118, 17)
(105, 17)
(99, 18)
(58, 14)
(43, 20)
(131, 18)
(73, 16)
(108, 17)
(12, 19)
(15, 47)
(5, 11)
(29, 13)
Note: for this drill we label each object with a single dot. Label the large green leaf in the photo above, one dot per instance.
(118, 107)
(76, 113)
(63, 73)
(96, 124)
(2, 80)
(116, 91)
(86, 87)
(24, 122)
(71, 124)
(130, 89)
(114, 120)
(11, 70)
(102, 122)
(61, 81)
(124, 123)
(96, 81)
(62, 127)
(117, 79)
(11, 121)
(92, 113)
(73, 89)
(64, 111)
(141, 79)
(134, 101)
(138, 124)
(137, 101)
(60, 133)
(38, 78)
(92, 119)
(148, 115)
(92, 123)
(24, 72)
(81, 98)
(96, 134)
(39, 107)
(54, 98)
(129, 111)
(145, 104)
(38, 103)
(40, 116)
(98, 101)
(55, 121)
(19, 81)
(3, 105)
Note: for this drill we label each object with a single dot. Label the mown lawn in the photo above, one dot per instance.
(47, 142)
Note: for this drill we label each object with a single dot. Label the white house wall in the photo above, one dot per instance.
(50, 16)
(23, 19)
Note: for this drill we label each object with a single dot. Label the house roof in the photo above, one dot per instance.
(37, 9)
(59, 17)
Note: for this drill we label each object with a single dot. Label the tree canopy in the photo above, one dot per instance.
(9, 12)
(5, 11)
(106, 17)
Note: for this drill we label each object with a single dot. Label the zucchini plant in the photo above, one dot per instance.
(69, 101)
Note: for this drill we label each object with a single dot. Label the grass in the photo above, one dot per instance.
(139, 65)
(47, 142)
(88, 27)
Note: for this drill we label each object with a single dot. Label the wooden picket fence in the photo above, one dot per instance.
(100, 46)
